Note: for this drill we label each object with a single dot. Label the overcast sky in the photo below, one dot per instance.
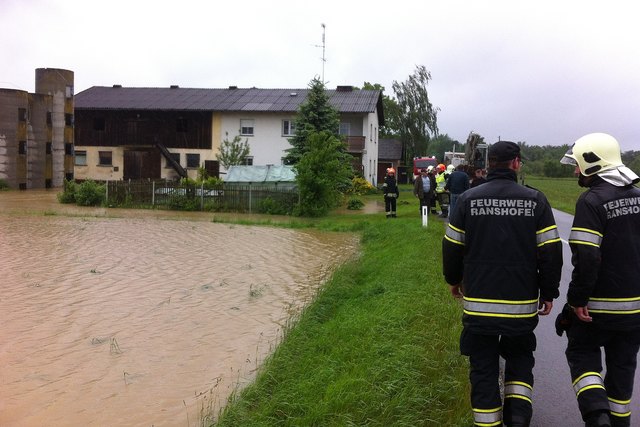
(544, 72)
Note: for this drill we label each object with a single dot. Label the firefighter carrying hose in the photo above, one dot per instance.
(604, 294)
(502, 255)
(391, 193)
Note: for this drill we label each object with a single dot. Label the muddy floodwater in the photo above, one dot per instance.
(141, 318)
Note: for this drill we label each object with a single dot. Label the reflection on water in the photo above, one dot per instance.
(145, 319)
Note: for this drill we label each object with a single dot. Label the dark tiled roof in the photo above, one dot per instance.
(389, 149)
(231, 100)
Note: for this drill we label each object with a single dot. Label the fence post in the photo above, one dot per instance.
(425, 216)
(202, 196)
(250, 188)
(153, 193)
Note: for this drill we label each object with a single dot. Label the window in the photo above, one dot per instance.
(22, 114)
(81, 158)
(98, 123)
(288, 128)
(246, 127)
(68, 119)
(105, 158)
(248, 161)
(181, 125)
(175, 157)
(345, 129)
(22, 147)
(193, 160)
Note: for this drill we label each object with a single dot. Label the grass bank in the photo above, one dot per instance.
(379, 344)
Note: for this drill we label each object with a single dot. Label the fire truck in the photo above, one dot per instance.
(423, 163)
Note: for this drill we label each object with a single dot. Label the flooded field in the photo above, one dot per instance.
(141, 318)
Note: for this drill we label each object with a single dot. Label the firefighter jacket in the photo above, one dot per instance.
(390, 187)
(503, 246)
(605, 247)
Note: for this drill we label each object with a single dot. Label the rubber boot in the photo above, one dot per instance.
(599, 419)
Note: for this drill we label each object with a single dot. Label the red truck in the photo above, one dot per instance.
(423, 162)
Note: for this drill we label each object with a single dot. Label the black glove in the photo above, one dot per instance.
(564, 319)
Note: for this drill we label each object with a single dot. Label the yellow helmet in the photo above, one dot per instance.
(594, 153)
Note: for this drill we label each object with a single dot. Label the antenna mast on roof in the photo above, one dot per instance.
(323, 50)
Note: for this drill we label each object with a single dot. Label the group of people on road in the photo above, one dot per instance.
(502, 255)
(443, 185)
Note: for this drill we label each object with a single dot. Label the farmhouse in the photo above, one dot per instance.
(168, 133)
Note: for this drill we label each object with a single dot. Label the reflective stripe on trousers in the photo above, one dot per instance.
(487, 417)
(587, 381)
(518, 390)
(620, 408)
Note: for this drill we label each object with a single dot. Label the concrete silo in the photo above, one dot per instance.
(36, 132)
(58, 84)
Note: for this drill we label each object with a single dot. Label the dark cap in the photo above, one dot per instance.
(502, 151)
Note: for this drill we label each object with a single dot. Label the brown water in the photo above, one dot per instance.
(143, 319)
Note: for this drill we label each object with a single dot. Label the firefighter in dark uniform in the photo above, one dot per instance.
(604, 293)
(502, 255)
(391, 193)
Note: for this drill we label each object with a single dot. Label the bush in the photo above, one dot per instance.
(274, 207)
(361, 187)
(90, 193)
(185, 203)
(355, 204)
(68, 195)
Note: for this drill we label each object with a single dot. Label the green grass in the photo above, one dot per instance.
(379, 344)
(562, 193)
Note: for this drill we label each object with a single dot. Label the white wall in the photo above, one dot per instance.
(267, 145)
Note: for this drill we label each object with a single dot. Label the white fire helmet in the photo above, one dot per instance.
(430, 169)
(599, 153)
(450, 168)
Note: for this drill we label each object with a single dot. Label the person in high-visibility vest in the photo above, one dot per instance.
(603, 308)
(502, 255)
(442, 196)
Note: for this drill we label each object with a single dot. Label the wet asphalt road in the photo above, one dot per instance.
(554, 402)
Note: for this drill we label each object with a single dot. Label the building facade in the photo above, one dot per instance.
(36, 132)
(168, 133)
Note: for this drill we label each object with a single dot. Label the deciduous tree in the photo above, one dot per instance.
(417, 116)
(232, 152)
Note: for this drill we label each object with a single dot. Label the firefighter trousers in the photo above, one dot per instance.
(484, 353)
(613, 393)
(390, 206)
